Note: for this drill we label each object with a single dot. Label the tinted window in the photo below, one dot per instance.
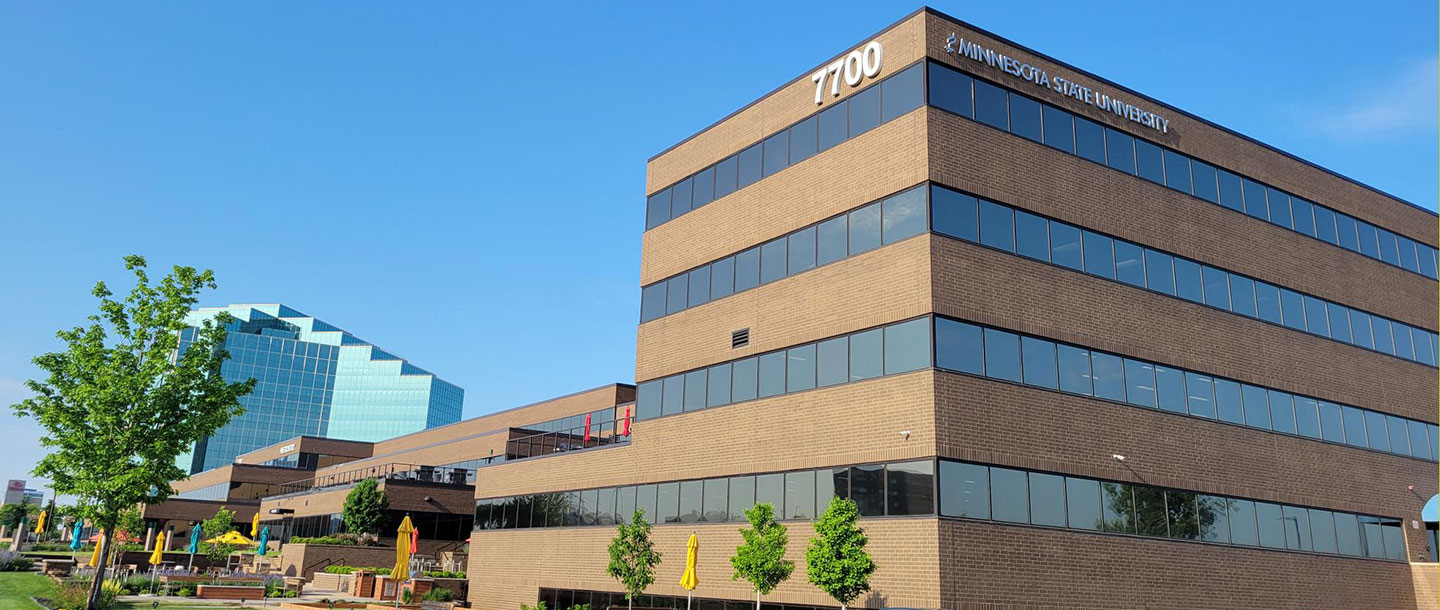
(1419, 440)
(1270, 521)
(834, 125)
(1082, 503)
(1074, 366)
(950, 90)
(800, 495)
(652, 301)
(751, 168)
(1008, 495)
(1339, 322)
(907, 346)
(699, 286)
(715, 506)
(680, 198)
(676, 298)
(1065, 246)
(864, 229)
(1304, 213)
(1099, 256)
(1118, 506)
(1159, 272)
(831, 243)
(1232, 192)
(1307, 417)
(1149, 162)
(904, 215)
(867, 489)
(1315, 317)
(645, 500)
(1187, 281)
(1267, 302)
(832, 362)
(744, 379)
(722, 277)
(1296, 521)
(1002, 355)
(1257, 406)
(1242, 523)
(990, 105)
(773, 263)
(673, 400)
(867, 354)
(953, 214)
(1090, 140)
(1217, 287)
(1322, 530)
(1108, 373)
(1282, 412)
(1255, 199)
(1059, 129)
(692, 498)
(1345, 226)
(1229, 404)
(667, 503)
(802, 250)
(803, 139)
(695, 390)
(958, 346)
(964, 490)
(864, 111)
(903, 92)
(1120, 150)
(1025, 117)
(772, 374)
(1331, 426)
(1031, 237)
(1325, 225)
(1177, 172)
(1170, 389)
(1047, 499)
(1129, 263)
(1206, 186)
(997, 226)
(647, 400)
(742, 496)
(1292, 309)
(1038, 357)
(1399, 435)
(747, 269)
(1347, 535)
(1407, 254)
(1387, 246)
(1139, 383)
(1280, 208)
(910, 488)
(1200, 395)
(1354, 420)
(657, 209)
(770, 488)
(777, 152)
(1380, 330)
(800, 368)
(1183, 516)
(1213, 515)
(719, 385)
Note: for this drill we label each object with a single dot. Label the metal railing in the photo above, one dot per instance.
(596, 434)
(394, 472)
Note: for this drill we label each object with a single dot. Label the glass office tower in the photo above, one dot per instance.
(318, 380)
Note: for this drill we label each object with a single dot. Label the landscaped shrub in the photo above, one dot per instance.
(185, 592)
(444, 574)
(14, 562)
(439, 595)
(539, 606)
(135, 585)
(339, 569)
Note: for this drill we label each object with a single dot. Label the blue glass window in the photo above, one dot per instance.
(865, 229)
(1159, 272)
(1059, 129)
(1002, 355)
(1280, 208)
(950, 90)
(1242, 295)
(1089, 140)
(1177, 172)
(1025, 117)
(903, 92)
(1031, 236)
(802, 250)
(831, 241)
(1139, 383)
(1149, 162)
(1206, 186)
(953, 214)
(804, 139)
(991, 105)
(1255, 204)
(959, 346)
(1065, 248)
(1188, 285)
(1232, 192)
(864, 111)
(1129, 263)
(834, 125)
(997, 226)
(1120, 150)
(777, 152)
(1099, 255)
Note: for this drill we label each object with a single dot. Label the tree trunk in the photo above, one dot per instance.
(94, 602)
(757, 599)
(629, 599)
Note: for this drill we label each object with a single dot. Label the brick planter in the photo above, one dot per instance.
(229, 592)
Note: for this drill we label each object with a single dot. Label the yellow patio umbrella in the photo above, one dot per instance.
(255, 525)
(95, 555)
(690, 579)
(159, 554)
(401, 571)
(40, 522)
(230, 537)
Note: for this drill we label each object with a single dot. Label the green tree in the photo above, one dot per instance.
(122, 399)
(633, 557)
(131, 523)
(760, 559)
(836, 561)
(222, 522)
(11, 515)
(365, 506)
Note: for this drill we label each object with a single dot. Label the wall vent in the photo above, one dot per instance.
(739, 338)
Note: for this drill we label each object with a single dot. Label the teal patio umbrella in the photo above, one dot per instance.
(75, 541)
(264, 540)
(194, 544)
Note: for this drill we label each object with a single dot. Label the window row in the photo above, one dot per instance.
(1006, 110)
(888, 350)
(868, 227)
(901, 488)
(999, 226)
(1033, 361)
(974, 491)
(869, 108)
(218, 491)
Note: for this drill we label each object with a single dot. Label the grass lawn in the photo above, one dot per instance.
(17, 587)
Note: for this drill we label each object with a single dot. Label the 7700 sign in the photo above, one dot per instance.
(858, 65)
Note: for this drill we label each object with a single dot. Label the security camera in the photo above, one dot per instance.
(1118, 457)
(905, 433)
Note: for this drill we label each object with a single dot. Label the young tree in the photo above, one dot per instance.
(365, 506)
(122, 399)
(836, 561)
(11, 515)
(760, 559)
(131, 523)
(222, 523)
(633, 557)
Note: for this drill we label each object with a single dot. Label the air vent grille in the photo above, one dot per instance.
(739, 338)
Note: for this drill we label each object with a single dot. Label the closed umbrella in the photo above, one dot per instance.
(264, 540)
(401, 571)
(255, 525)
(157, 557)
(95, 555)
(194, 545)
(689, 580)
(75, 542)
(587, 429)
(414, 540)
(40, 522)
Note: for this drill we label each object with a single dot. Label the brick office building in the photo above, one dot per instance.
(1066, 346)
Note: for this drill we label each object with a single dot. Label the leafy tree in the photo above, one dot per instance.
(836, 561)
(222, 522)
(131, 523)
(760, 559)
(122, 399)
(365, 507)
(11, 515)
(633, 557)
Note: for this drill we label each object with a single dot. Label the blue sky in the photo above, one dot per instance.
(462, 183)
